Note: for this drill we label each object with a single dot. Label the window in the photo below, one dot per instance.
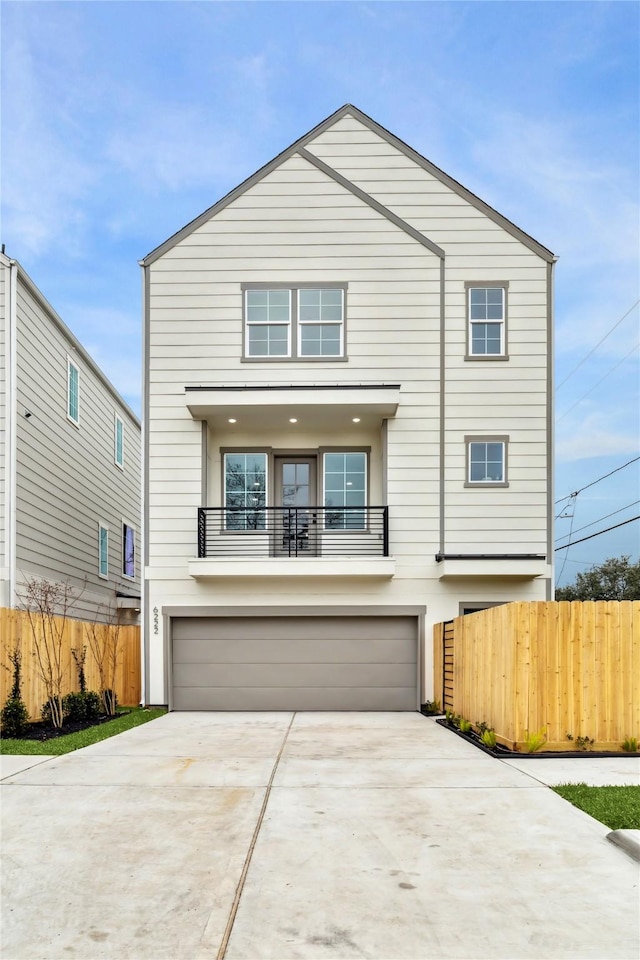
(486, 308)
(118, 442)
(268, 323)
(103, 551)
(73, 392)
(294, 323)
(345, 485)
(320, 323)
(487, 461)
(128, 551)
(245, 490)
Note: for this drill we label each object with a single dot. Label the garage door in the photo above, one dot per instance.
(294, 663)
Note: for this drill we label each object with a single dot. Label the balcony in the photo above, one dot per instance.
(293, 541)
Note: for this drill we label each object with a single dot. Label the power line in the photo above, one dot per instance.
(593, 482)
(599, 343)
(591, 389)
(598, 534)
(600, 519)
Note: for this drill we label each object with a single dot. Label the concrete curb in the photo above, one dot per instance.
(629, 840)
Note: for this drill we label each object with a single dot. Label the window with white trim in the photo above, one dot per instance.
(128, 551)
(345, 485)
(73, 392)
(103, 551)
(487, 320)
(118, 442)
(297, 323)
(245, 490)
(487, 461)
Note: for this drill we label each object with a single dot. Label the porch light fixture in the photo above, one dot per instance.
(232, 420)
(355, 419)
(293, 419)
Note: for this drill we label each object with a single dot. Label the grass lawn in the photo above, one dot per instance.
(617, 807)
(73, 741)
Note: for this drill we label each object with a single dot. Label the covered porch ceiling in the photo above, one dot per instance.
(312, 406)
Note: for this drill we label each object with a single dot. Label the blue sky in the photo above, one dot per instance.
(124, 120)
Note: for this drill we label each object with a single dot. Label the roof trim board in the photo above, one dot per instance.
(372, 202)
(298, 147)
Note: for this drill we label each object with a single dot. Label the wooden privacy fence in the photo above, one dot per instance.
(566, 667)
(14, 626)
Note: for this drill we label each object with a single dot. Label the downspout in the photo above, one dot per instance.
(550, 427)
(11, 467)
(144, 479)
(441, 503)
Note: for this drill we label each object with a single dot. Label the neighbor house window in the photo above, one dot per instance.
(245, 490)
(345, 490)
(118, 442)
(294, 323)
(487, 315)
(73, 392)
(128, 551)
(103, 551)
(487, 461)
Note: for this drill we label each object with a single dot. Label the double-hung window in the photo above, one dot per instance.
(118, 442)
(295, 323)
(487, 320)
(73, 392)
(345, 490)
(486, 461)
(245, 490)
(103, 551)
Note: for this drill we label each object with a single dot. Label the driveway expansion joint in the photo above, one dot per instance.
(254, 839)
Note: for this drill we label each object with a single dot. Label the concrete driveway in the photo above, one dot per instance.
(318, 835)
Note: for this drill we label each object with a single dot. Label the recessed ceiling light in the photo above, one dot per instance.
(293, 419)
(232, 420)
(355, 419)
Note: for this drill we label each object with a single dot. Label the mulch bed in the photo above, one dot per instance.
(501, 751)
(42, 731)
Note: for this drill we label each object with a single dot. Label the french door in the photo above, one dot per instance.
(296, 522)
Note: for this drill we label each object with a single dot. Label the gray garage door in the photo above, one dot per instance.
(294, 663)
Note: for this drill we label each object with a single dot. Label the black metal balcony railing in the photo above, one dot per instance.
(253, 532)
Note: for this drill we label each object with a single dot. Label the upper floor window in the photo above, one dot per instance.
(296, 323)
(486, 461)
(245, 490)
(128, 551)
(345, 485)
(487, 320)
(118, 442)
(73, 392)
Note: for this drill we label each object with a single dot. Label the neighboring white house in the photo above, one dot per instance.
(348, 399)
(69, 462)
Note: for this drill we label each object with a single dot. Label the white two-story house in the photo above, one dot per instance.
(70, 455)
(348, 400)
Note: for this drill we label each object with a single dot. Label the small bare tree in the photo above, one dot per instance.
(48, 604)
(105, 643)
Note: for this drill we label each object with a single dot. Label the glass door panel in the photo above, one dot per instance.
(296, 522)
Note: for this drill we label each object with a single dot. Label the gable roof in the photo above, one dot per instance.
(298, 147)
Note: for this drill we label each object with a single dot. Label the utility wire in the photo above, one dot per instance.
(598, 534)
(598, 344)
(600, 519)
(593, 482)
(591, 389)
(564, 562)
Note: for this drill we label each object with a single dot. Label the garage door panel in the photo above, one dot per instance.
(286, 698)
(301, 649)
(294, 663)
(276, 628)
(294, 675)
